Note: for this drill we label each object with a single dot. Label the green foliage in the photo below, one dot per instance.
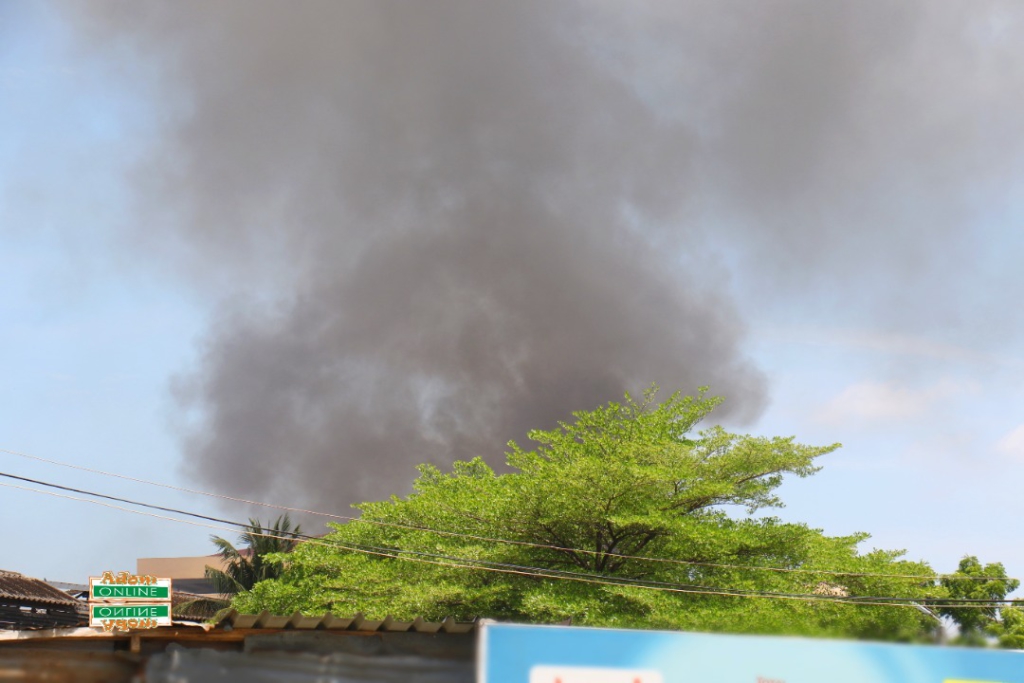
(1009, 630)
(622, 501)
(974, 581)
(257, 560)
(248, 566)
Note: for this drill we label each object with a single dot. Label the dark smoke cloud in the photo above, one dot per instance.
(436, 225)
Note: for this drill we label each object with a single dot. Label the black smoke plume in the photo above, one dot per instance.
(434, 225)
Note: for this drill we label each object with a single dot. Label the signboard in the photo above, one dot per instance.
(133, 615)
(126, 601)
(159, 589)
(557, 654)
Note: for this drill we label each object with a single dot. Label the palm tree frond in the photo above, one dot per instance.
(244, 568)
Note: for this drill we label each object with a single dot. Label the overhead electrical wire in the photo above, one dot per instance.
(349, 546)
(456, 534)
(297, 536)
(534, 574)
(109, 497)
(485, 565)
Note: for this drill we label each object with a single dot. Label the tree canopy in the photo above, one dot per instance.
(626, 516)
(246, 565)
(967, 590)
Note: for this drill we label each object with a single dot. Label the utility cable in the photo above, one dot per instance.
(456, 534)
(806, 598)
(305, 537)
(115, 498)
(457, 562)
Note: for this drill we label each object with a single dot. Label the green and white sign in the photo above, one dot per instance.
(161, 590)
(126, 602)
(144, 615)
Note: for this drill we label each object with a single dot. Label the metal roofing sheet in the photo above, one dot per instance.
(247, 623)
(329, 622)
(14, 586)
(177, 665)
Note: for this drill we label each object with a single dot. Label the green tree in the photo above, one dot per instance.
(1009, 630)
(977, 582)
(624, 517)
(246, 567)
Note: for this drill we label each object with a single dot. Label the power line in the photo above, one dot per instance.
(116, 498)
(456, 534)
(484, 565)
(302, 536)
(295, 535)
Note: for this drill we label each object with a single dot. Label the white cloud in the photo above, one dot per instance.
(1012, 444)
(878, 401)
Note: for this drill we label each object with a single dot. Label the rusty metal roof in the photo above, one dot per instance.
(329, 622)
(24, 589)
(239, 626)
(196, 607)
(250, 647)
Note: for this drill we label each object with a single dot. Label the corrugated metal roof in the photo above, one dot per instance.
(19, 588)
(211, 666)
(306, 650)
(248, 623)
(195, 607)
(329, 622)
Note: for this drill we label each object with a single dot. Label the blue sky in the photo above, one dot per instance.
(927, 404)
(88, 339)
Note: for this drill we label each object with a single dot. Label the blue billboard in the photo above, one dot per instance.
(512, 653)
